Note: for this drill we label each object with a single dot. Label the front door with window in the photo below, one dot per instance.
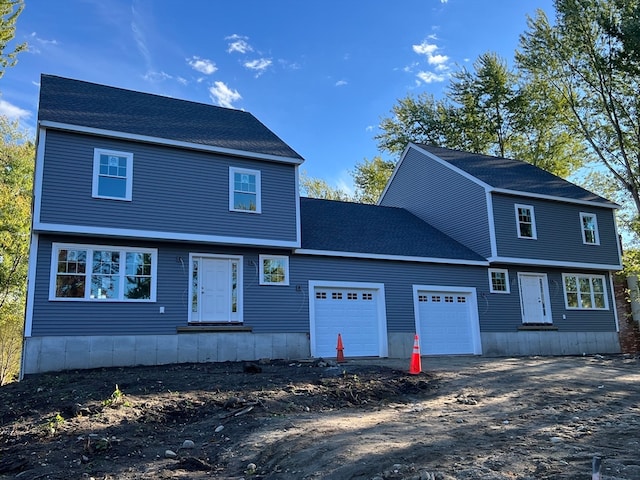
(215, 289)
(534, 298)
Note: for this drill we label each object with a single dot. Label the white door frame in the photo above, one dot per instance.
(545, 299)
(474, 318)
(193, 256)
(383, 347)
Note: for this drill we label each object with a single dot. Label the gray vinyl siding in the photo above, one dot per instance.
(174, 190)
(267, 308)
(276, 309)
(501, 312)
(559, 232)
(445, 199)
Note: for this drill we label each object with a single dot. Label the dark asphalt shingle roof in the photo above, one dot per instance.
(516, 175)
(360, 228)
(85, 104)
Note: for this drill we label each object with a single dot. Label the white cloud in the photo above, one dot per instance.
(223, 95)
(202, 65)
(425, 48)
(34, 41)
(139, 38)
(341, 83)
(438, 61)
(182, 81)
(430, 77)
(259, 65)
(239, 44)
(11, 111)
(153, 76)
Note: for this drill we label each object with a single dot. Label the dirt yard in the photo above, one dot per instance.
(462, 418)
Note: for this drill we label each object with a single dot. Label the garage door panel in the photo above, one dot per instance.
(350, 312)
(445, 323)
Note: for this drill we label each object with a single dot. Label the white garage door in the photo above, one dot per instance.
(354, 313)
(447, 322)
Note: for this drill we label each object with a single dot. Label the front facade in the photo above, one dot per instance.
(167, 231)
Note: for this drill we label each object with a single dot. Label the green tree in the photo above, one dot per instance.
(16, 173)
(318, 188)
(370, 177)
(491, 110)
(9, 12)
(584, 59)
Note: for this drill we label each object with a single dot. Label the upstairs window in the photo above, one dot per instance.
(274, 270)
(244, 190)
(584, 292)
(112, 174)
(498, 280)
(589, 224)
(526, 221)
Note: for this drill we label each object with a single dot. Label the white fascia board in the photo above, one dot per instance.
(540, 196)
(168, 142)
(554, 263)
(378, 256)
(160, 235)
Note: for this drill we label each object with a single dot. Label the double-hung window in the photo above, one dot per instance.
(585, 292)
(589, 226)
(274, 270)
(244, 190)
(525, 221)
(112, 174)
(102, 273)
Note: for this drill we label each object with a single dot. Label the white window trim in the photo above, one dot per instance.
(589, 276)
(96, 173)
(582, 229)
(506, 279)
(55, 247)
(534, 232)
(286, 269)
(234, 170)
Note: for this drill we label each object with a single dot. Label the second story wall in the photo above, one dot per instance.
(443, 198)
(174, 193)
(556, 233)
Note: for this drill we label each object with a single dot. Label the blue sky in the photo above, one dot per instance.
(319, 73)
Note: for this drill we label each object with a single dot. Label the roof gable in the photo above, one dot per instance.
(514, 176)
(329, 225)
(83, 104)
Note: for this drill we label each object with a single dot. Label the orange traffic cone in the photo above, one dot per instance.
(415, 367)
(340, 350)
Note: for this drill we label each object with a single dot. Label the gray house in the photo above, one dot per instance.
(169, 231)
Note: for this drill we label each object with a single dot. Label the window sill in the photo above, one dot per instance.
(537, 326)
(214, 328)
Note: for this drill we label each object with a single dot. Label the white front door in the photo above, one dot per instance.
(215, 290)
(534, 298)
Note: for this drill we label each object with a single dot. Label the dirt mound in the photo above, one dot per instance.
(473, 418)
